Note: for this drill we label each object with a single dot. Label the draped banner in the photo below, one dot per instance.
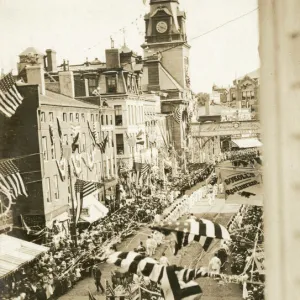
(242, 186)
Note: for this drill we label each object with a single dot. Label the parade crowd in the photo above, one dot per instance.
(58, 270)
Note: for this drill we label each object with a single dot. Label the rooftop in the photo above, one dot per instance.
(55, 99)
(31, 50)
(253, 74)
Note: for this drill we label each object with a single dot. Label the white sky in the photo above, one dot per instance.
(77, 29)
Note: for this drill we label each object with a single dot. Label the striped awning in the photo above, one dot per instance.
(15, 252)
(246, 143)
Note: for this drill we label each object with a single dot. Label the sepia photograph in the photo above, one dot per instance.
(149, 149)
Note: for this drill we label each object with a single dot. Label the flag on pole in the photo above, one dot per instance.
(10, 177)
(83, 189)
(102, 145)
(10, 98)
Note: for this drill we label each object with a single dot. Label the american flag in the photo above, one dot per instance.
(202, 231)
(175, 282)
(102, 144)
(83, 189)
(177, 114)
(145, 168)
(10, 98)
(10, 177)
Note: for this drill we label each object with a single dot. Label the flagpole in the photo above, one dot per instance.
(100, 127)
(73, 229)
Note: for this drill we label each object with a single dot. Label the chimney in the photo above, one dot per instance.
(207, 107)
(35, 75)
(66, 83)
(51, 60)
(112, 58)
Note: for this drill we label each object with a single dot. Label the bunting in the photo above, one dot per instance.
(62, 166)
(10, 98)
(177, 114)
(10, 177)
(202, 231)
(171, 278)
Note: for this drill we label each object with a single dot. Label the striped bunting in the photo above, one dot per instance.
(167, 277)
(177, 114)
(202, 231)
(10, 98)
(145, 169)
(11, 179)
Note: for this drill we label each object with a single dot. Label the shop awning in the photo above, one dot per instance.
(92, 210)
(246, 143)
(15, 252)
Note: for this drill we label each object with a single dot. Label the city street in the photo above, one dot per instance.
(186, 257)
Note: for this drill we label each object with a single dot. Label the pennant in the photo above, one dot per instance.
(59, 129)
(10, 98)
(75, 143)
(51, 134)
(62, 166)
(10, 178)
(92, 134)
(139, 135)
(242, 186)
(90, 163)
(76, 161)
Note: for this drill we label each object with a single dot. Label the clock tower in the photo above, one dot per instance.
(166, 54)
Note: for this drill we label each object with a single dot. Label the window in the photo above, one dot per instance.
(118, 115)
(92, 85)
(44, 147)
(102, 120)
(92, 118)
(97, 118)
(112, 139)
(64, 117)
(53, 153)
(51, 116)
(48, 190)
(82, 118)
(83, 142)
(77, 118)
(111, 83)
(71, 117)
(43, 117)
(106, 117)
(120, 144)
(56, 192)
(111, 119)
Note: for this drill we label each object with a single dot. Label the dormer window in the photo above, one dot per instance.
(111, 83)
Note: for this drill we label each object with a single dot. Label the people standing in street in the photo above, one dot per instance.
(214, 265)
(97, 274)
(141, 249)
(150, 246)
(164, 260)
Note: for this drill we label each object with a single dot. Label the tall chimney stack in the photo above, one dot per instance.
(51, 60)
(66, 83)
(35, 75)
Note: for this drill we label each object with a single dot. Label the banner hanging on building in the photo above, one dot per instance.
(242, 186)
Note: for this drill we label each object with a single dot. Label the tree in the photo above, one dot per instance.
(202, 98)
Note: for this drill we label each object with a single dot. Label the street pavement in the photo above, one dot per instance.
(190, 256)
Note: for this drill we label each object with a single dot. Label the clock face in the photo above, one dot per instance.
(161, 27)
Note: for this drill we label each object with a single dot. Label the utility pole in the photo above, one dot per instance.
(67, 151)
